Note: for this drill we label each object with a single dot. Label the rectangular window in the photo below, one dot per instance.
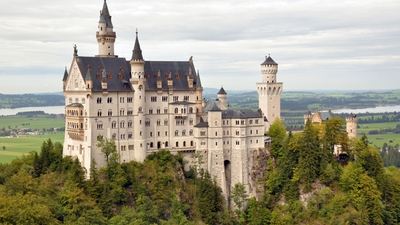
(165, 98)
(176, 98)
(202, 133)
(130, 147)
(150, 111)
(256, 121)
(250, 121)
(129, 99)
(165, 111)
(237, 122)
(122, 99)
(153, 99)
(186, 98)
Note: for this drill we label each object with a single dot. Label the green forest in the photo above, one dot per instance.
(30, 100)
(305, 183)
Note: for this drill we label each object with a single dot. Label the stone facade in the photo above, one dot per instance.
(145, 106)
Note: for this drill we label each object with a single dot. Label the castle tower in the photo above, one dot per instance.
(105, 35)
(351, 125)
(138, 82)
(269, 92)
(308, 116)
(222, 96)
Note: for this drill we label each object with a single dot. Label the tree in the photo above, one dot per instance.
(239, 195)
(209, 198)
(107, 147)
(310, 155)
(277, 131)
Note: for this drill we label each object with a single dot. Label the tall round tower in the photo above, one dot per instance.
(269, 68)
(105, 35)
(222, 96)
(351, 125)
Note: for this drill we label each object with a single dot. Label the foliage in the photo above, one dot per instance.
(277, 131)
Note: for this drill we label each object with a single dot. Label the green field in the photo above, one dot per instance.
(17, 146)
(365, 128)
(37, 122)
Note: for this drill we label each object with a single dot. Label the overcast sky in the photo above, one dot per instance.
(332, 45)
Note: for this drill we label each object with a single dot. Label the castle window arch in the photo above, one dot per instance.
(165, 122)
(114, 136)
(176, 133)
(191, 122)
(158, 122)
(176, 110)
(130, 123)
(99, 113)
(184, 133)
(190, 110)
(109, 112)
(191, 132)
(140, 109)
(121, 112)
(114, 124)
(177, 144)
(122, 124)
(99, 100)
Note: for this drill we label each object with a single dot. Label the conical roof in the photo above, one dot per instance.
(65, 74)
(269, 61)
(105, 15)
(137, 52)
(198, 81)
(222, 91)
(88, 77)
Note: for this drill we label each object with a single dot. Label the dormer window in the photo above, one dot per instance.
(99, 76)
(101, 68)
(177, 76)
(109, 76)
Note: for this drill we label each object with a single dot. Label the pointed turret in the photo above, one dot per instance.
(198, 81)
(88, 80)
(65, 74)
(137, 52)
(105, 35)
(105, 15)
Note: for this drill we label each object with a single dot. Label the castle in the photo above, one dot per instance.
(145, 106)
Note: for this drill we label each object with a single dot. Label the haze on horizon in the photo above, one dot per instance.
(329, 45)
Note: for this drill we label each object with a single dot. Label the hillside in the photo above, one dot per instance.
(302, 182)
(30, 100)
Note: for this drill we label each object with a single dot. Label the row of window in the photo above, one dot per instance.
(110, 100)
(77, 100)
(203, 133)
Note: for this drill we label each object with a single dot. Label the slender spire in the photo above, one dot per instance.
(137, 52)
(65, 74)
(105, 15)
(88, 76)
(198, 81)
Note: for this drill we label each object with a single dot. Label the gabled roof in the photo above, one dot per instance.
(137, 52)
(65, 74)
(222, 91)
(269, 61)
(201, 124)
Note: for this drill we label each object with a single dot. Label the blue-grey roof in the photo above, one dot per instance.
(182, 103)
(241, 113)
(75, 105)
(198, 81)
(269, 61)
(222, 91)
(214, 107)
(88, 76)
(65, 74)
(201, 124)
(137, 52)
(326, 115)
(106, 15)
(120, 69)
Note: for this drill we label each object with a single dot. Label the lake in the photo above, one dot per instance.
(47, 109)
(379, 109)
(61, 110)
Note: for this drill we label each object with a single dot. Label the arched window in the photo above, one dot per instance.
(166, 144)
(176, 133)
(114, 124)
(177, 144)
(122, 124)
(184, 133)
(190, 110)
(191, 132)
(191, 122)
(176, 110)
(98, 100)
(165, 122)
(114, 136)
(99, 113)
(184, 144)
(158, 122)
(121, 112)
(151, 144)
(109, 112)
(130, 123)
(191, 143)
(140, 109)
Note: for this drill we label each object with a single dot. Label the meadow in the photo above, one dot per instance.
(17, 146)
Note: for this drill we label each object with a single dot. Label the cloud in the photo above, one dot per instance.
(318, 45)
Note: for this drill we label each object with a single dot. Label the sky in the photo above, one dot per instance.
(319, 45)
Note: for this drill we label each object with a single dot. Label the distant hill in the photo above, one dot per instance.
(31, 100)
